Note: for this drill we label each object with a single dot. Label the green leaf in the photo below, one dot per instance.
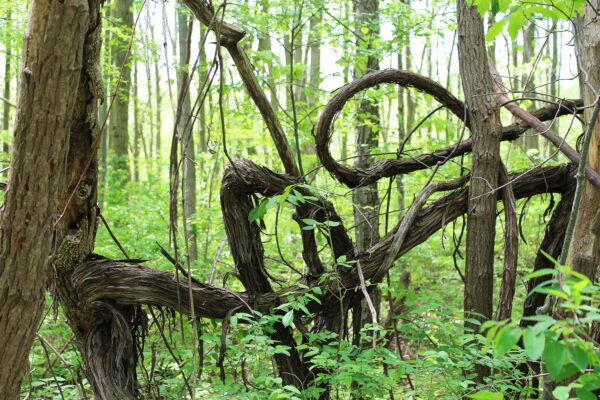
(309, 221)
(534, 343)
(495, 7)
(554, 357)
(541, 272)
(503, 5)
(483, 6)
(506, 339)
(288, 318)
(515, 23)
(495, 30)
(549, 12)
(578, 357)
(584, 394)
(487, 395)
(561, 392)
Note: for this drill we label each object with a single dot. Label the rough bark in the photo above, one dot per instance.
(584, 254)
(50, 73)
(127, 283)
(486, 132)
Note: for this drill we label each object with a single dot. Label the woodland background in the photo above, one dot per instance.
(174, 82)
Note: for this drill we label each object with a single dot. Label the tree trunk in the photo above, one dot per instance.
(483, 118)
(366, 198)
(314, 46)
(50, 76)
(584, 254)
(530, 140)
(7, 82)
(119, 119)
(184, 130)
(137, 127)
(202, 73)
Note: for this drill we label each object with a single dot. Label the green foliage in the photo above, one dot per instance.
(515, 13)
(569, 355)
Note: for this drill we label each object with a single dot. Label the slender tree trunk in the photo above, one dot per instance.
(158, 101)
(264, 45)
(314, 80)
(137, 127)
(7, 82)
(119, 119)
(584, 254)
(346, 56)
(530, 139)
(51, 72)
(486, 132)
(203, 72)
(402, 129)
(184, 129)
(314, 46)
(366, 199)
(410, 100)
(102, 111)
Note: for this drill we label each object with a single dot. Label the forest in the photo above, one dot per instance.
(301, 199)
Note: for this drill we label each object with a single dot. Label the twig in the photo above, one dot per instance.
(13, 105)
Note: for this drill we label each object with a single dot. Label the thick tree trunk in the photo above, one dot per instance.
(51, 73)
(486, 132)
(118, 128)
(584, 254)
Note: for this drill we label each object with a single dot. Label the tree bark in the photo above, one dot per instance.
(584, 254)
(48, 99)
(365, 199)
(486, 132)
